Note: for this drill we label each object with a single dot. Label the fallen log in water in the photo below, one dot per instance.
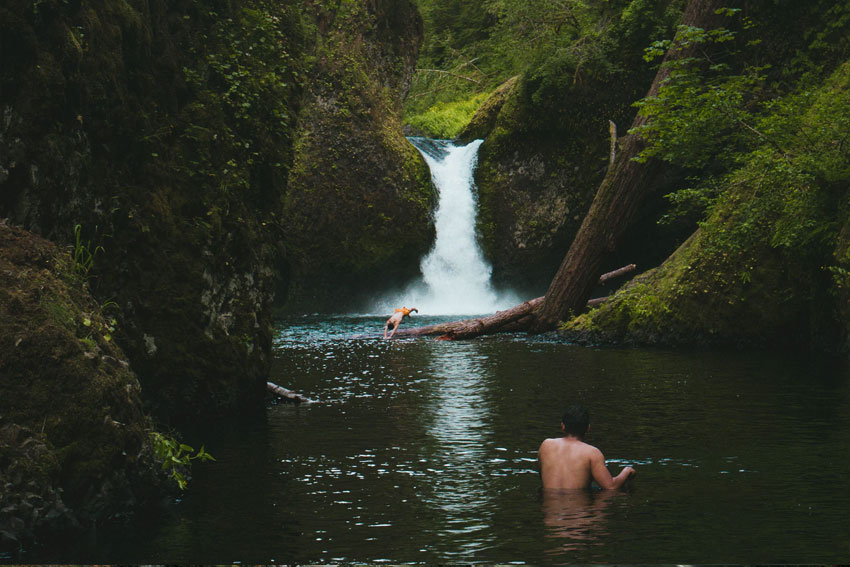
(517, 318)
(474, 327)
(287, 395)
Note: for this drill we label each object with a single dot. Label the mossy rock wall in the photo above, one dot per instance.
(74, 442)
(535, 180)
(164, 131)
(359, 204)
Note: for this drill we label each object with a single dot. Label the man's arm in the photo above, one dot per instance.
(601, 475)
(396, 321)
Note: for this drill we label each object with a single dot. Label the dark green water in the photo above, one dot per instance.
(425, 451)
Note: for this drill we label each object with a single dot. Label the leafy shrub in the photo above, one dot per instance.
(177, 457)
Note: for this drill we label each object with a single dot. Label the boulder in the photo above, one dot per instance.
(358, 207)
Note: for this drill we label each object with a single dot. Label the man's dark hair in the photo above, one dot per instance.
(575, 420)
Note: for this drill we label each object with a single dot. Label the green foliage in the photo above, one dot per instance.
(826, 42)
(251, 67)
(792, 179)
(458, 79)
(760, 118)
(176, 457)
(83, 253)
(703, 112)
(470, 48)
(739, 125)
(99, 326)
(245, 75)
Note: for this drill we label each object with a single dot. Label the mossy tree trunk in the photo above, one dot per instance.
(615, 205)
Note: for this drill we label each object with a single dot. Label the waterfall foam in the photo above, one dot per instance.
(455, 276)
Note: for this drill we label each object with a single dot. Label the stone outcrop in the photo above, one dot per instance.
(535, 181)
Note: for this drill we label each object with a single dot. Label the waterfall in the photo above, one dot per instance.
(455, 276)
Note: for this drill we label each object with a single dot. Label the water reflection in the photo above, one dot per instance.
(458, 425)
(575, 518)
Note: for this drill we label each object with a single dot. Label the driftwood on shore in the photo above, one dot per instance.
(518, 318)
(287, 395)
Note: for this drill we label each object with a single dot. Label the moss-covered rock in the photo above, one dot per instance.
(708, 296)
(484, 120)
(535, 179)
(359, 201)
(74, 441)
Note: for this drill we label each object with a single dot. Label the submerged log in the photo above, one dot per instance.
(287, 395)
(518, 318)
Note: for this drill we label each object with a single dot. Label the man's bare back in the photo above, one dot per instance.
(568, 463)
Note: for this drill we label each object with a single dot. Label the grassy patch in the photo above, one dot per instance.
(446, 120)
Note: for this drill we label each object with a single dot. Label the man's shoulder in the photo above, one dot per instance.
(588, 449)
(592, 452)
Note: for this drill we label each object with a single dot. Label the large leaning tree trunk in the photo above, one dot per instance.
(615, 205)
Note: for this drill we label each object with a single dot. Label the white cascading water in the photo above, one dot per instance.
(455, 276)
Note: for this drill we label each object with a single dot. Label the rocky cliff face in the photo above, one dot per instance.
(359, 202)
(181, 142)
(150, 127)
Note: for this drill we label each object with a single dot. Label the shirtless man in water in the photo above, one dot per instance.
(569, 463)
(395, 320)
